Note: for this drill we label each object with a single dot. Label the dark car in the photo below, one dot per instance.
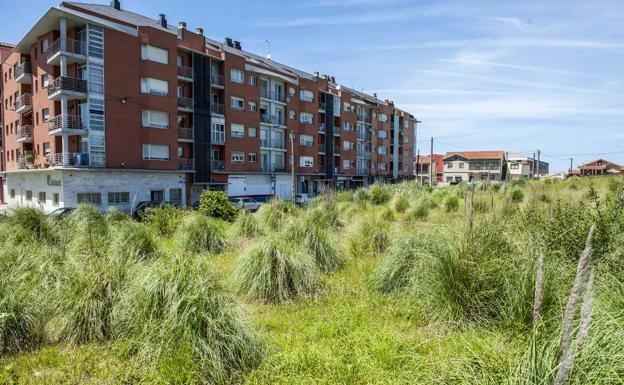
(142, 207)
(61, 212)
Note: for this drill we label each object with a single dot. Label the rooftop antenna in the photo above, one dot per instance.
(268, 56)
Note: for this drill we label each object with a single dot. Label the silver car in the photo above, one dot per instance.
(248, 204)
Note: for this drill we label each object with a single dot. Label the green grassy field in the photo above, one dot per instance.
(386, 285)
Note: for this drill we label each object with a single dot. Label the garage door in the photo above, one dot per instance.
(283, 187)
(236, 186)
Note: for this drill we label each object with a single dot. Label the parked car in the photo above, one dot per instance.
(249, 204)
(61, 212)
(142, 207)
(302, 199)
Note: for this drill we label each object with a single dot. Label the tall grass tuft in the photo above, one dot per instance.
(246, 225)
(400, 203)
(368, 236)
(198, 233)
(451, 204)
(26, 224)
(133, 240)
(164, 219)
(179, 321)
(313, 234)
(275, 269)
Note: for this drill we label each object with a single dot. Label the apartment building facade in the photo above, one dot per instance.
(522, 167)
(5, 51)
(600, 167)
(108, 107)
(473, 166)
(425, 165)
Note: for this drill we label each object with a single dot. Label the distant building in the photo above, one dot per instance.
(600, 167)
(520, 167)
(423, 170)
(468, 166)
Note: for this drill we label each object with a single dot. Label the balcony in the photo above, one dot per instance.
(337, 131)
(73, 88)
(321, 106)
(336, 150)
(70, 124)
(218, 137)
(322, 128)
(274, 120)
(363, 135)
(366, 118)
(275, 143)
(218, 165)
(273, 167)
(68, 159)
(74, 50)
(187, 164)
(273, 95)
(185, 73)
(25, 134)
(23, 73)
(185, 134)
(25, 162)
(217, 108)
(185, 103)
(23, 103)
(216, 80)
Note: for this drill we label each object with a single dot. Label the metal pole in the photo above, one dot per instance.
(431, 165)
(292, 166)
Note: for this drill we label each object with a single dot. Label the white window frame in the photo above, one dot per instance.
(237, 104)
(252, 157)
(238, 157)
(149, 149)
(306, 161)
(148, 115)
(306, 117)
(253, 106)
(155, 54)
(149, 86)
(306, 140)
(237, 76)
(306, 95)
(237, 130)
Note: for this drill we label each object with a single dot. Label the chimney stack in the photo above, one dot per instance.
(237, 45)
(199, 31)
(116, 4)
(182, 25)
(163, 20)
(228, 42)
(181, 29)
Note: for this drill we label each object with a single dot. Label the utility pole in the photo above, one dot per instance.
(533, 169)
(431, 164)
(417, 164)
(292, 165)
(538, 163)
(570, 172)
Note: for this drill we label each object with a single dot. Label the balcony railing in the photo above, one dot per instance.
(185, 102)
(24, 133)
(273, 119)
(67, 46)
(187, 164)
(185, 72)
(67, 84)
(337, 131)
(363, 135)
(25, 162)
(275, 143)
(218, 165)
(217, 108)
(22, 71)
(216, 80)
(65, 122)
(185, 133)
(23, 103)
(218, 137)
(272, 95)
(321, 106)
(322, 127)
(68, 159)
(364, 118)
(336, 150)
(273, 167)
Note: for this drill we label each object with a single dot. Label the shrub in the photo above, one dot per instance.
(517, 196)
(165, 219)
(400, 203)
(197, 234)
(418, 213)
(387, 214)
(116, 215)
(275, 269)
(361, 195)
(451, 204)
(378, 194)
(178, 319)
(215, 204)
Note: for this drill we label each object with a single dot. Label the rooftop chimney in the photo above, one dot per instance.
(115, 4)
(316, 74)
(199, 31)
(237, 44)
(182, 25)
(181, 29)
(375, 95)
(163, 20)
(333, 79)
(228, 42)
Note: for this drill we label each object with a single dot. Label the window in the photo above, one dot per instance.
(44, 46)
(405, 124)
(347, 107)
(237, 103)
(253, 80)
(381, 150)
(237, 130)
(41, 198)
(306, 96)
(175, 196)
(406, 139)
(346, 145)
(154, 87)
(45, 81)
(292, 115)
(46, 148)
(306, 161)
(382, 134)
(118, 198)
(449, 165)
(306, 140)
(45, 114)
(251, 157)
(155, 152)
(348, 126)
(292, 91)
(237, 76)
(306, 117)
(92, 198)
(12, 193)
(55, 199)
(253, 107)
(251, 132)
(159, 55)
(347, 163)
(514, 166)
(461, 165)
(155, 119)
(382, 118)
(238, 157)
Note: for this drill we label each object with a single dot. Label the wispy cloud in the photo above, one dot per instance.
(376, 17)
(516, 22)
(488, 63)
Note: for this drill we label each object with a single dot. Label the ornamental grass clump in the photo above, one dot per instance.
(517, 196)
(164, 219)
(368, 236)
(24, 225)
(200, 234)
(451, 204)
(276, 269)
(133, 240)
(246, 225)
(274, 213)
(400, 203)
(179, 321)
(378, 194)
(315, 236)
(418, 213)
(21, 325)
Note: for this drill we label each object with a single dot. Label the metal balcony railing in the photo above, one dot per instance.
(65, 122)
(185, 102)
(23, 102)
(65, 83)
(185, 72)
(23, 69)
(70, 46)
(216, 80)
(25, 162)
(24, 132)
(273, 119)
(69, 159)
(218, 137)
(185, 133)
(187, 164)
(272, 95)
(363, 135)
(217, 108)
(218, 165)
(273, 167)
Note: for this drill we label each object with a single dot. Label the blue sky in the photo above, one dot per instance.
(518, 77)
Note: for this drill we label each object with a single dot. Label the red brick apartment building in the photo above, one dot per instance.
(108, 107)
(423, 171)
(600, 167)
